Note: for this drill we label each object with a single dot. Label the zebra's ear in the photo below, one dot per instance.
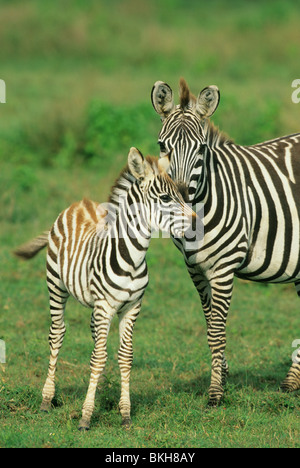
(137, 164)
(162, 99)
(207, 101)
(164, 163)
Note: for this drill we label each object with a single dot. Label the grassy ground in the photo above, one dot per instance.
(76, 84)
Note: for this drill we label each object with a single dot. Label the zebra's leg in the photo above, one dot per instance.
(206, 301)
(92, 326)
(204, 289)
(292, 380)
(58, 298)
(125, 357)
(216, 334)
(297, 284)
(101, 318)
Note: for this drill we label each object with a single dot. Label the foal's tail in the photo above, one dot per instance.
(31, 248)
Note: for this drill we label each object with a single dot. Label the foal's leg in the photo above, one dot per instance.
(58, 298)
(101, 322)
(125, 357)
(292, 380)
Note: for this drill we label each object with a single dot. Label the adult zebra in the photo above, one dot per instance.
(251, 200)
(102, 264)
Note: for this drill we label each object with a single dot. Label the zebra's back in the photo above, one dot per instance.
(71, 249)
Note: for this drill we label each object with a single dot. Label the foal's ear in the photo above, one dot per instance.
(162, 99)
(207, 101)
(137, 164)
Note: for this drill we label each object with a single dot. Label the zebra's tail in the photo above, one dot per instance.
(31, 248)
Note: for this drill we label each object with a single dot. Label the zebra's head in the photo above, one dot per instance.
(163, 205)
(182, 137)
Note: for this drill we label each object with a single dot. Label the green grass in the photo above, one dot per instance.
(71, 79)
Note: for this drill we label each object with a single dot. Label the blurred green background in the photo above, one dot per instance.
(79, 74)
(78, 80)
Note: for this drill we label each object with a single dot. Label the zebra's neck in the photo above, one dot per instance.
(207, 183)
(128, 229)
(215, 142)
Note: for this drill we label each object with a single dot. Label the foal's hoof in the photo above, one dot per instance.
(83, 425)
(288, 386)
(45, 406)
(83, 429)
(126, 423)
(213, 403)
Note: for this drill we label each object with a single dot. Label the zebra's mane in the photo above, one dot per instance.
(125, 181)
(185, 95)
(213, 136)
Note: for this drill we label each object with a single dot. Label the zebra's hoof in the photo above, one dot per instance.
(126, 423)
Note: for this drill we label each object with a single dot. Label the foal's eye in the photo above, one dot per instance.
(165, 198)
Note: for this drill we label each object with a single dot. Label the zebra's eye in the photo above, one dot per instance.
(162, 147)
(165, 198)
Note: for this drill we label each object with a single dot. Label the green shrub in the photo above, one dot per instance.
(104, 132)
(113, 130)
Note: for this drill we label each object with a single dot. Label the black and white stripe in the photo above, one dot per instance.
(251, 200)
(98, 256)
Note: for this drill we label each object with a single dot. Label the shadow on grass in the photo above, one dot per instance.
(250, 388)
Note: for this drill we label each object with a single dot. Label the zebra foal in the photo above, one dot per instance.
(103, 266)
(250, 198)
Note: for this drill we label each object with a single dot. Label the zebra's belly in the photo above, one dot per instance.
(81, 293)
(282, 278)
(273, 267)
(76, 279)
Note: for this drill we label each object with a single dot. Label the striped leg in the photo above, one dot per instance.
(292, 380)
(101, 320)
(58, 299)
(216, 333)
(125, 357)
(92, 326)
(204, 289)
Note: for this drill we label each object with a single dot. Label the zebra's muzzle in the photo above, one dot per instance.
(186, 222)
